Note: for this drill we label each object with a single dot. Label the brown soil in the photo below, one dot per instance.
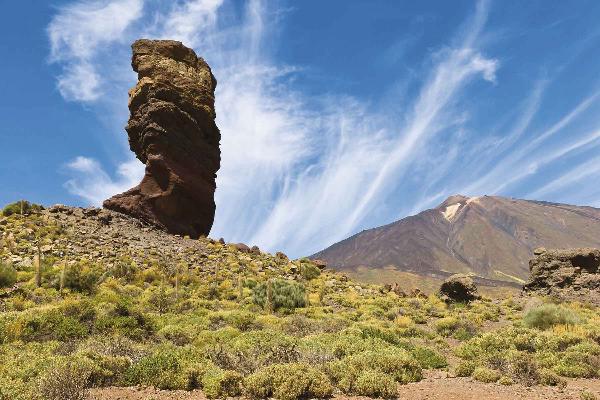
(434, 387)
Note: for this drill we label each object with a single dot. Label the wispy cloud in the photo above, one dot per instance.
(572, 177)
(301, 171)
(79, 33)
(95, 185)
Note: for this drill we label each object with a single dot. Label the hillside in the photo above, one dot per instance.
(491, 237)
(97, 305)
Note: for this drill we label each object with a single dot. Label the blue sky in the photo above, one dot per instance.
(336, 116)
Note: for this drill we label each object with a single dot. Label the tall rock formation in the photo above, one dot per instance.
(172, 130)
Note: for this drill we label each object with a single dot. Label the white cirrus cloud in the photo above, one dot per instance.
(91, 182)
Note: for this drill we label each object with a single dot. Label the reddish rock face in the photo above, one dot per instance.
(172, 130)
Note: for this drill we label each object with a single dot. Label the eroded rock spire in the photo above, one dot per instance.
(172, 130)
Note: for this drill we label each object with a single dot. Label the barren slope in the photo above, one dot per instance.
(492, 237)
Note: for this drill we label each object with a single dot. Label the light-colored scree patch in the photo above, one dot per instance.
(451, 211)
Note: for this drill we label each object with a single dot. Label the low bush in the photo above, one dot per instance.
(288, 382)
(64, 381)
(69, 320)
(81, 277)
(398, 364)
(279, 294)
(458, 328)
(486, 375)
(252, 350)
(549, 378)
(587, 395)
(429, 358)
(548, 315)
(217, 383)
(167, 367)
(8, 275)
(465, 368)
(309, 271)
(375, 384)
(21, 207)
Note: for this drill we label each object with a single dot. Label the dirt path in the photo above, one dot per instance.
(431, 388)
(468, 389)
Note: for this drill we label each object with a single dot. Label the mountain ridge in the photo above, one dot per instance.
(491, 237)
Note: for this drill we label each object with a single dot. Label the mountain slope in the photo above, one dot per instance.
(492, 237)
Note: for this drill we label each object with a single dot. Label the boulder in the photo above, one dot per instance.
(321, 264)
(172, 131)
(398, 290)
(242, 247)
(572, 274)
(458, 288)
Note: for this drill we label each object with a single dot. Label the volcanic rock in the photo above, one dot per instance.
(572, 274)
(459, 288)
(172, 130)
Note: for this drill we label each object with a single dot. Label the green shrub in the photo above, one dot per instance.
(124, 319)
(106, 370)
(486, 375)
(81, 277)
(429, 358)
(217, 383)
(520, 366)
(398, 364)
(465, 368)
(309, 271)
(375, 384)
(549, 378)
(575, 364)
(65, 381)
(8, 275)
(69, 320)
(242, 320)
(458, 328)
(166, 368)
(548, 315)
(21, 206)
(587, 395)
(506, 381)
(288, 382)
(285, 295)
(252, 350)
(176, 334)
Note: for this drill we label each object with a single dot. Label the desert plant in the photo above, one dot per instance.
(288, 382)
(279, 294)
(217, 383)
(165, 368)
(548, 315)
(66, 381)
(37, 264)
(8, 275)
(429, 358)
(309, 271)
(486, 375)
(21, 207)
(465, 368)
(587, 395)
(375, 384)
